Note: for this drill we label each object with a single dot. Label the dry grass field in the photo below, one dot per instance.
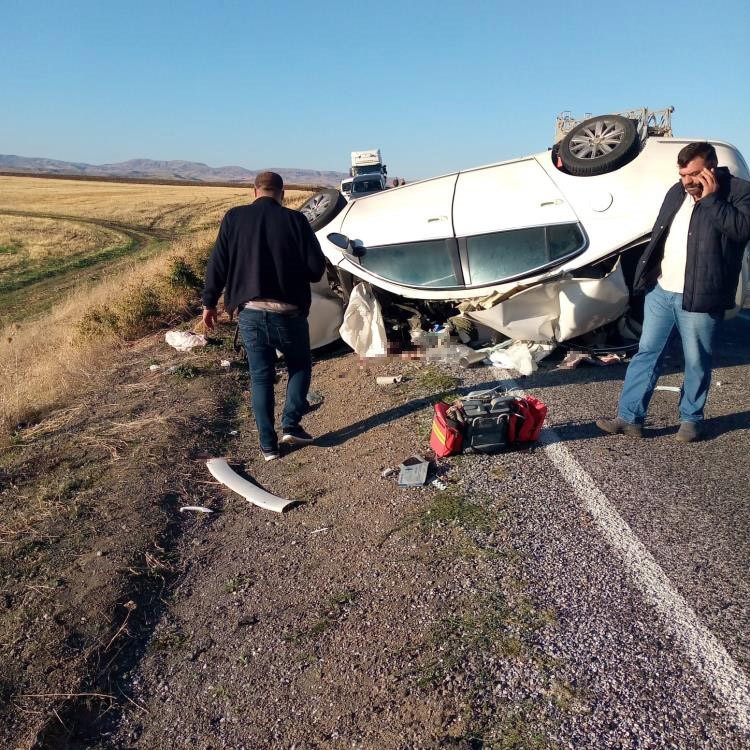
(86, 267)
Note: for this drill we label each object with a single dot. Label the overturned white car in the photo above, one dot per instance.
(541, 248)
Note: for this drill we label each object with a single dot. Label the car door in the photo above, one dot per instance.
(404, 237)
(512, 221)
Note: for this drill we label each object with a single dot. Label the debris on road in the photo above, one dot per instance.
(523, 356)
(220, 470)
(576, 357)
(389, 379)
(197, 508)
(184, 341)
(315, 399)
(413, 471)
(474, 359)
(672, 388)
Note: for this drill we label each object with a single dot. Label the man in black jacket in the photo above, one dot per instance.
(265, 258)
(690, 271)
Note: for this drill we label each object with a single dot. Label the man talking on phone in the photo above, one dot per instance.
(689, 272)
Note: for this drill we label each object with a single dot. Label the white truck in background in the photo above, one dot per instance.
(367, 175)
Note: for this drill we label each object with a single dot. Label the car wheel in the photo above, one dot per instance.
(599, 145)
(322, 207)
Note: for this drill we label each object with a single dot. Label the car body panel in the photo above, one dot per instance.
(613, 211)
(398, 215)
(510, 196)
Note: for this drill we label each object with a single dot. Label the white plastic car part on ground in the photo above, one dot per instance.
(219, 468)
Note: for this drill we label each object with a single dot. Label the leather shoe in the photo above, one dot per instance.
(618, 426)
(689, 432)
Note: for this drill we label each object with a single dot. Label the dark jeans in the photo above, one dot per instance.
(263, 333)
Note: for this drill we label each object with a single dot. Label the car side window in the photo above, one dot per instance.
(564, 239)
(502, 255)
(428, 264)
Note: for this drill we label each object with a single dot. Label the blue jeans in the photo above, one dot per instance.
(263, 333)
(662, 313)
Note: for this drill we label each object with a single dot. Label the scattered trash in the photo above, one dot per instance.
(389, 472)
(448, 352)
(439, 484)
(413, 472)
(184, 341)
(154, 367)
(225, 363)
(672, 388)
(198, 508)
(234, 432)
(575, 357)
(522, 356)
(321, 529)
(473, 359)
(220, 470)
(388, 379)
(315, 398)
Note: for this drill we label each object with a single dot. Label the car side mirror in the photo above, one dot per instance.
(340, 240)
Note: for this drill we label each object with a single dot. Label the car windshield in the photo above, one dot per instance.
(366, 186)
(366, 169)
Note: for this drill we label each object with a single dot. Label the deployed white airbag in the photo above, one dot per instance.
(363, 328)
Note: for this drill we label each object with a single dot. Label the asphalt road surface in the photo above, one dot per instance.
(643, 548)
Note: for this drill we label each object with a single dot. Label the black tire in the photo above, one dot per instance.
(323, 207)
(599, 145)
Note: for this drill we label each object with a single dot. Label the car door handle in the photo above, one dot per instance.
(437, 218)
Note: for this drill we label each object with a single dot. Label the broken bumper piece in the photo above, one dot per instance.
(219, 468)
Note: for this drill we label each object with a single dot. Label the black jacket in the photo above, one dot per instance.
(718, 232)
(263, 251)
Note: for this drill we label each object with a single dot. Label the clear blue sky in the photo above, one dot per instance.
(437, 86)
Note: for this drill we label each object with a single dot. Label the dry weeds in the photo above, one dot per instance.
(46, 360)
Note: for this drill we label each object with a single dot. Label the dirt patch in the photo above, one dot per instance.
(368, 616)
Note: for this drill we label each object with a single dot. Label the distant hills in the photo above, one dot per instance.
(149, 169)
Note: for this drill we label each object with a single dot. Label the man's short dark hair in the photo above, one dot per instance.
(269, 181)
(695, 150)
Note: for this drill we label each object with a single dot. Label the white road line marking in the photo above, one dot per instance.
(725, 678)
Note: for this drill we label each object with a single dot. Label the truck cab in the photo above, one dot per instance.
(367, 173)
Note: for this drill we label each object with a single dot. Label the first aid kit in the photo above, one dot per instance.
(446, 438)
(488, 422)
